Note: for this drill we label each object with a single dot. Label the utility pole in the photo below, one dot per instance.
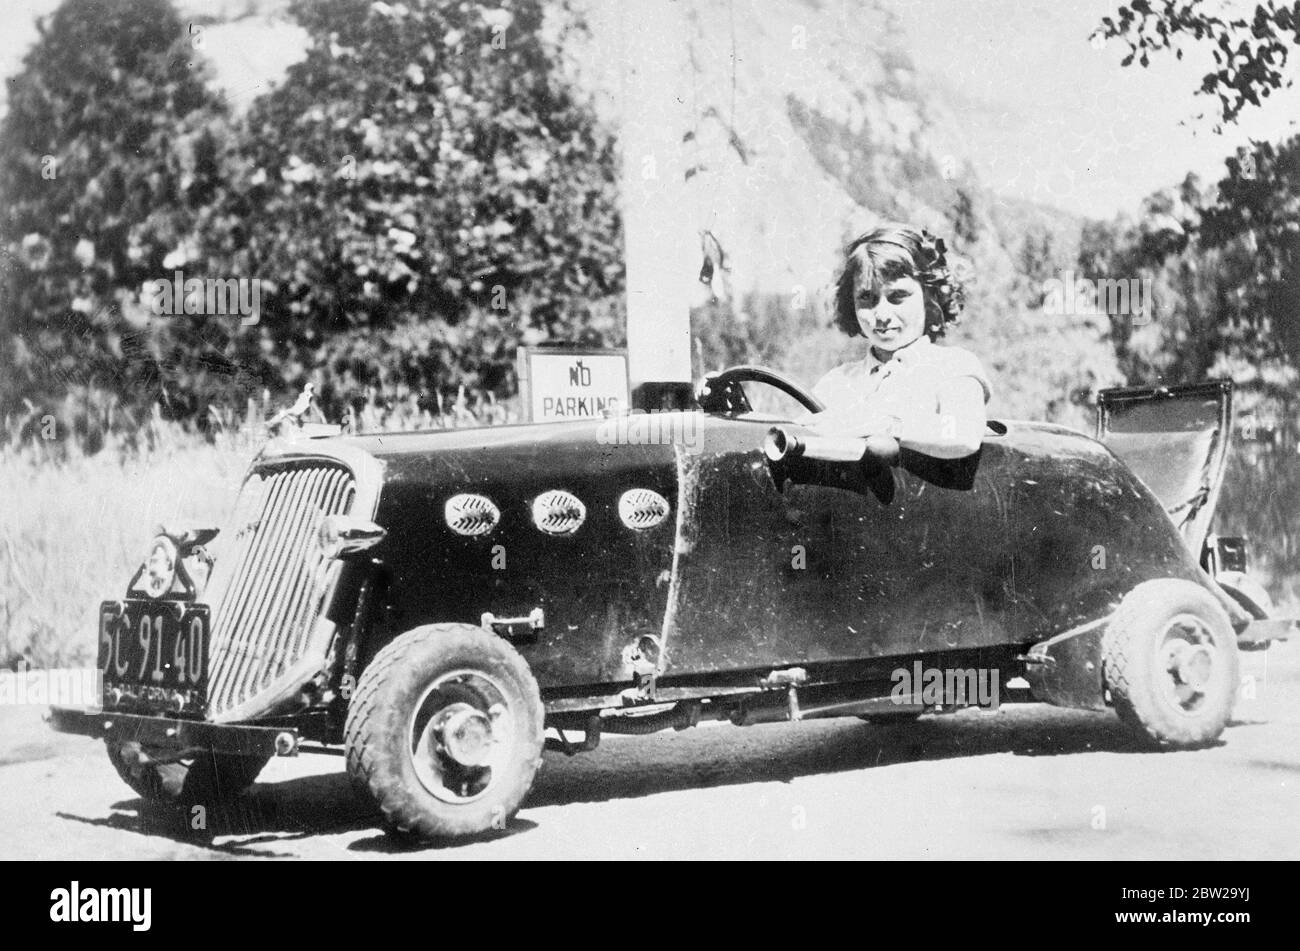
(660, 243)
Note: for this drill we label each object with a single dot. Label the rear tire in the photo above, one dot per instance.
(208, 778)
(444, 732)
(1169, 658)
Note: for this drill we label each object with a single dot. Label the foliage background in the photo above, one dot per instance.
(423, 192)
(434, 183)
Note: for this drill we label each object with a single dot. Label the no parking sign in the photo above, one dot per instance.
(561, 384)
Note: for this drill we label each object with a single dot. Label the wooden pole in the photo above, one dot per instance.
(661, 246)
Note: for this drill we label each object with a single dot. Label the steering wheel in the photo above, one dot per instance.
(721, 392)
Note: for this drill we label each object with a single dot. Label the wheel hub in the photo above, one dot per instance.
(462, 734)
(1192, 665)
(465, 734)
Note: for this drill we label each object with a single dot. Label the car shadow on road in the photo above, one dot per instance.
(270, 814)
(631, 767)
(628, 767)
(262, 815)
(144, 819)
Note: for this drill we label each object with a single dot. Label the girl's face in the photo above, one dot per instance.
(892, 317)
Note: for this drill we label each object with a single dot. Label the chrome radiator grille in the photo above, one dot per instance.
(270, 579)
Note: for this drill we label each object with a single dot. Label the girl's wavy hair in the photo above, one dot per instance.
(889, 253)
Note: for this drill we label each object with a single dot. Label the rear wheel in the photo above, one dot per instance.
(444, 732)
(208, 777)
(1169, 658)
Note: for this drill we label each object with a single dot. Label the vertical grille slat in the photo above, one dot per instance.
(281, 551)
(229, 567)
(299, 534)
(268, 587)
(227, 629)
(251, 582)
(302, 590)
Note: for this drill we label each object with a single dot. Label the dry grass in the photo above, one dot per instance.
(73, 526)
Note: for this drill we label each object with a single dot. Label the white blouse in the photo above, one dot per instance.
(904, 388)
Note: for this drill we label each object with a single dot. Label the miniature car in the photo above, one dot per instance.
(436, 602)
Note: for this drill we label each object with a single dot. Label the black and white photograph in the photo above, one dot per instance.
(651, 429)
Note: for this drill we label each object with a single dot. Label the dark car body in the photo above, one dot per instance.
(1003, 563)
(656, 581)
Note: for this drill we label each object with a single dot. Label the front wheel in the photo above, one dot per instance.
(1169, 658)
(444, 732)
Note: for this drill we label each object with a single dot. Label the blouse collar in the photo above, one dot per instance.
(915, 351)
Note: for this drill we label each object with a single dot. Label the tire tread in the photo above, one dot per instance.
(373, 772)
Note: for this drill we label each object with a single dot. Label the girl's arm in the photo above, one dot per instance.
(955, 431)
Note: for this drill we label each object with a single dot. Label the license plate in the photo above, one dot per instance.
(155, 650)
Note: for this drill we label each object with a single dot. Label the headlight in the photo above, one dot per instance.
(198, 565)
(159, 572)
(343, 534)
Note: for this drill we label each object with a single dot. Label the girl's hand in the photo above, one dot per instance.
(957, 430)
(842, 423)
(954, 431)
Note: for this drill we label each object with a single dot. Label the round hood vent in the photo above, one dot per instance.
(471, 515)
(558, 512)
(642, 509)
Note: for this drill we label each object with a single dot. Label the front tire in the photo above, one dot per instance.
(444, 732)
(1169, 658)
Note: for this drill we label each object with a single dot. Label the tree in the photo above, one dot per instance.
(1037, 261)
(105, 155)
(1254, 226)
(1226, 271)
(1250, 55)
(423, 193)
(1259, 207)
(1248, 231)
(964, 214)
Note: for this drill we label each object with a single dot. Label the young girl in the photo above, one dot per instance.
(896, 291)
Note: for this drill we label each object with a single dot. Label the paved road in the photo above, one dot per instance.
(1026, 781)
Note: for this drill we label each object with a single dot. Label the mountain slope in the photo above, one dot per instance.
(808, 123)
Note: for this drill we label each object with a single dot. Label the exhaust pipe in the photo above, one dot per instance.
(860, 464)
(783, 444)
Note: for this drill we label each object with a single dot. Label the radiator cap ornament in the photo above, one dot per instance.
(472, 515)
(558, 512)
(642, 509)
